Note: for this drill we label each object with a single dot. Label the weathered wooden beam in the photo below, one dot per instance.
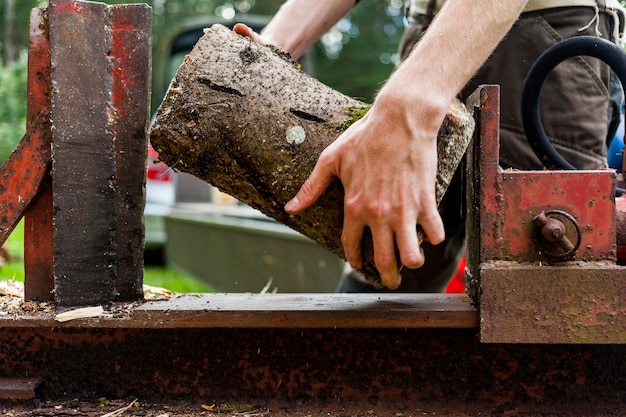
(219, 310)
(83, 161)
(244, 118)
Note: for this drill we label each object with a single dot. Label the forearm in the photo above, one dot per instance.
(457, 43)
(298, 24)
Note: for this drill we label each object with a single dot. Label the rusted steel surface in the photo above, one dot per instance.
(293, 365)
(504, 202)
(524, 295)
(273, 311)
(39, 247)
(131, 54)
(101, 72)
(22, 174)
(574, 302)
(484, 194)
(38, 241)
(620, 226)
(588, 196)
(18, 388)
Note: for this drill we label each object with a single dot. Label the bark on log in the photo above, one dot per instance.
(246, 119)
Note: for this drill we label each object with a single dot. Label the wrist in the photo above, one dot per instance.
(421, 110)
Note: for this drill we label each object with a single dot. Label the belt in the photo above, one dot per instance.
(431, 7)
(422, 6)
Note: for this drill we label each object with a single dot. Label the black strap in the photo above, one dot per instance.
(430, 11)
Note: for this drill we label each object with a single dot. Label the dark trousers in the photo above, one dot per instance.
(576, 110)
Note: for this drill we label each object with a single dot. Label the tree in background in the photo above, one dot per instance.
(13, 108)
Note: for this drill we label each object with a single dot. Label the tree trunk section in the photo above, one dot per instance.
(246, 119)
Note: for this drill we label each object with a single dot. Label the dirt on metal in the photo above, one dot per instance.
(103, 407)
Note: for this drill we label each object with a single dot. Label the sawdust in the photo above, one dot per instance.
(12, 303)
(102, 407)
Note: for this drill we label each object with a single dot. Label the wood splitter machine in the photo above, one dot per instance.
(546, 276)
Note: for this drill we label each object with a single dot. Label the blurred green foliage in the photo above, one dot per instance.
(13, 105)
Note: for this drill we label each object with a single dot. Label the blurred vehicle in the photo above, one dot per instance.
(160, 196)
(165, 186)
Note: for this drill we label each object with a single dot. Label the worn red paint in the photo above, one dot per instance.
(38, 240)
(521, 297)
(22, 174)
(620, 207)
(586, 195)
(124, 78)
(62, 6)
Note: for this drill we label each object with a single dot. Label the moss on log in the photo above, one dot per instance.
(244, 118)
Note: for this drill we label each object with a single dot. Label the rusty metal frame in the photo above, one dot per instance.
(523, 295)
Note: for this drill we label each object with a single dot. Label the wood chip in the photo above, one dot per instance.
(80, 313)
(156, 293)
(120, 411)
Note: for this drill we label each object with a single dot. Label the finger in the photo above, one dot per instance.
(385, 258)
(245, 30)
(313, 187)
(351, 237)
(432, 225)
(408, 242)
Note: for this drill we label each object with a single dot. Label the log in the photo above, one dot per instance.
(244, 118)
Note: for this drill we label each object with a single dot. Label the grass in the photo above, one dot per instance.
(154, 274)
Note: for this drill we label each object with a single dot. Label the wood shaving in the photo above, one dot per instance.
(80, 313)
(12, 288)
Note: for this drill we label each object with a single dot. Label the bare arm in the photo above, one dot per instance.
(387, 161)
(298, 24)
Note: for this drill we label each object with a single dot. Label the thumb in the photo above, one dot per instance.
(311, 190)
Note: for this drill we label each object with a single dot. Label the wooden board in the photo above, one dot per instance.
(83, 161)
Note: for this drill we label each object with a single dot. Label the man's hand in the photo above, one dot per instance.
(387, 163)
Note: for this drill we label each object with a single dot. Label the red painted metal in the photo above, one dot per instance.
(38, 241)
(586, 195)
(620, 226)
(131, 53)
(508, 200)
(484, 211)
(22, 174)
(523, 296)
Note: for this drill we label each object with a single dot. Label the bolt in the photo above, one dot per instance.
(553, 231)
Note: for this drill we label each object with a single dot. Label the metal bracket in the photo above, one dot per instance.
(525, 295)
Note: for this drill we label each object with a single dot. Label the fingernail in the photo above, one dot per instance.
(292, 205)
